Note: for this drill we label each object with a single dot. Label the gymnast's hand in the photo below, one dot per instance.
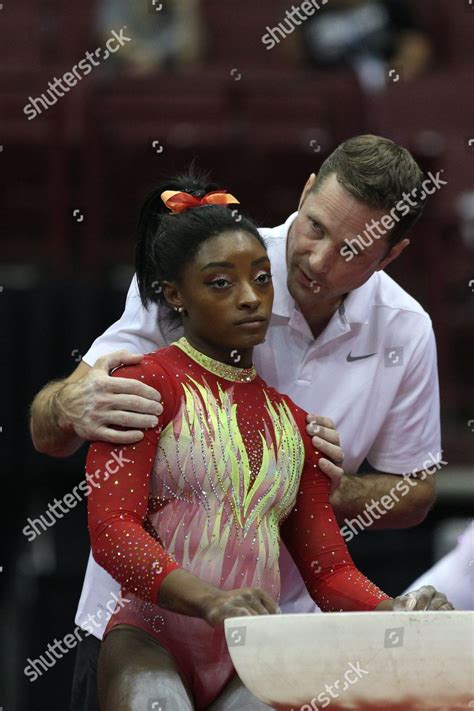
(326, 441)
(93, 404)
(425, 598)
(237, 603)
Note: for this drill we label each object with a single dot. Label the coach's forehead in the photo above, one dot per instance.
(337, 207)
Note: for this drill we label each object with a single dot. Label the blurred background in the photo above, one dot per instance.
(261, 101)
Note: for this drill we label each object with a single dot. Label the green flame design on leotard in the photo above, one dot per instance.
(204, 418)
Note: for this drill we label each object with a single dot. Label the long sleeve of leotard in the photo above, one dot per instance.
(118, 478)
(315, 543)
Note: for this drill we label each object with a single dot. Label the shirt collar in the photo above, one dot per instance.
(356, 306)
(283, 302)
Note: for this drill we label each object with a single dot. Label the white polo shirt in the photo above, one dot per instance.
(372, 370)
(454, 573)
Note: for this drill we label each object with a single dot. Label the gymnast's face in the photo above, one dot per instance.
(229, 280)
(322, 268)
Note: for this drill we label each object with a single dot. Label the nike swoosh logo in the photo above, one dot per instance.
(350, 358)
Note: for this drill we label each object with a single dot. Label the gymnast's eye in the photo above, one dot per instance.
(215, 282)
(266, 280)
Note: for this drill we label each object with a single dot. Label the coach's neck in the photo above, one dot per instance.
(317, 316)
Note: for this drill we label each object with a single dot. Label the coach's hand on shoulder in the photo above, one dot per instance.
(325, 439)
(425, 598)
(92, 405)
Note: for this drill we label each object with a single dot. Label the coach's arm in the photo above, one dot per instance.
(389, 500)
(386, 500)
(89, 404)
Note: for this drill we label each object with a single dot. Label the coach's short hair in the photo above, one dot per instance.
(377, 172)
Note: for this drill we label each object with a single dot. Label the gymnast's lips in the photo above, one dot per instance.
(251, 320)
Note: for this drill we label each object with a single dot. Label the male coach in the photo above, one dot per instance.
(344, 338)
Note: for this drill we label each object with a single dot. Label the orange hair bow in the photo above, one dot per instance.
(180, 202)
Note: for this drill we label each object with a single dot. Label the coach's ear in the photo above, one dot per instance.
(307, 188)
(395, 252)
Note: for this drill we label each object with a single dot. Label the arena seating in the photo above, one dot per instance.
(431, 117)
(261, 134)
(264, 123)
(235, 33)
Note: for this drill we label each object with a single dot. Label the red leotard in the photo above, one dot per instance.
(207, 490)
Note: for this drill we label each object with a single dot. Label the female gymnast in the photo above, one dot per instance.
(190, 522)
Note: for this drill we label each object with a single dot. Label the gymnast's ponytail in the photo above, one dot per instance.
(167, 241)
(149, 262)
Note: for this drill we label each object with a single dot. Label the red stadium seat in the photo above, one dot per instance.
(290, 109)
(431, 118)
(73, 28)
(156, 125)
(235, 31)
(35, 193)
(458, 29)
(435, 102)
(449, 26)
(431, 19)
(291, 121)
(23, 27)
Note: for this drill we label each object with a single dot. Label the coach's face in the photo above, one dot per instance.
(319, 267)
